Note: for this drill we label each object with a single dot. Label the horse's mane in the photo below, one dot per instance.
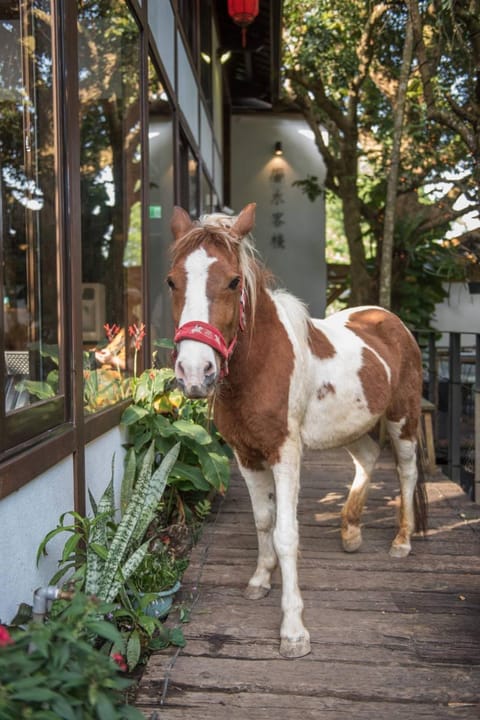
(215, 230)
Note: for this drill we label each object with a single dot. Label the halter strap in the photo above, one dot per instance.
(209, 335)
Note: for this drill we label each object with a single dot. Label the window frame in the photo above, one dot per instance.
(33, 453)
(20, 427)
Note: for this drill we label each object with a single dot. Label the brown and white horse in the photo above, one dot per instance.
(280, 381)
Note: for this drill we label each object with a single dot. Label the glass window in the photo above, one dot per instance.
(160, 205)
(206, 55)
(208, 199)
(30, 359)
(188, 10)
(189, 189)
(111, 167)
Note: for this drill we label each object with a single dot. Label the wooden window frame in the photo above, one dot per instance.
(35, 455)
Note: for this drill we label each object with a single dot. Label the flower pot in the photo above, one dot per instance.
(160, 606)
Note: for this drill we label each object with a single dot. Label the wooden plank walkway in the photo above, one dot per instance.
(390, 638)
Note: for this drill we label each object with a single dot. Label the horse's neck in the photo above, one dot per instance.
(262, 329)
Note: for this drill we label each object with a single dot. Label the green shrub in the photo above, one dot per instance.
(51, 671)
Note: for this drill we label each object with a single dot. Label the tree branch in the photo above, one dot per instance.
(444, 117)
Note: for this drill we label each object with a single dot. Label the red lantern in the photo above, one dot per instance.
(243, 13)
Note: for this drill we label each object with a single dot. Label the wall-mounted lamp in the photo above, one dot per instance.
(278, 148)
(225, 56)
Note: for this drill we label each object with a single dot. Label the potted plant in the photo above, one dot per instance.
(101, 555)
(157, 579)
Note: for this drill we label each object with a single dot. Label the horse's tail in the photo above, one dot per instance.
(420, 500)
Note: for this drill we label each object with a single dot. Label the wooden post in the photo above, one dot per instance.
(427, 440)
(454, 408)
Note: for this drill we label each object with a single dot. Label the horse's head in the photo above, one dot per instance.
(207, 281)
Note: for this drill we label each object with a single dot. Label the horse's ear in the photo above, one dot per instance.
(245, 221)
(181, 222)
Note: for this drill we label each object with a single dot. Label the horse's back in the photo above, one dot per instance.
(364, 364)
(374, 329)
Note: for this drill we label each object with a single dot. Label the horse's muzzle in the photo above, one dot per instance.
(197, 391)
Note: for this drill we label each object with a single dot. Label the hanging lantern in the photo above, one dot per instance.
(243, 13)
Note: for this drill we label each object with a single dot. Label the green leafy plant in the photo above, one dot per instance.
(158, 571)
(161, 414)
(51, 670)
(109, 558)
(100, 554)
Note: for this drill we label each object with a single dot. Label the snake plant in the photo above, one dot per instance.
(110, 560)
(125, 553)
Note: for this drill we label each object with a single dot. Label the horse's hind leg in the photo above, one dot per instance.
(262, 495)
(406, 456)
(364, 453)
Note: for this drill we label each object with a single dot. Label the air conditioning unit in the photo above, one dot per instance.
(93, 312)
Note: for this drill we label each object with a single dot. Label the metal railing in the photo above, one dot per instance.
(452, 384)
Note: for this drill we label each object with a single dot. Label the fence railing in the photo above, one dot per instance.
(452, 384)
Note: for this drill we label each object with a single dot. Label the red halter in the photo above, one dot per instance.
(209, 335)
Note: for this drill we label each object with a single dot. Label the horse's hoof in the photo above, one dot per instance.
(399, 551)
(291, 649)
(351, 539)
(256, 592)
(353, 545)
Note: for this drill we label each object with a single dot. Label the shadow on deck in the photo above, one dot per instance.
(390, 638)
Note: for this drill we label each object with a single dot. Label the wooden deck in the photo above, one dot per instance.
(390, 638)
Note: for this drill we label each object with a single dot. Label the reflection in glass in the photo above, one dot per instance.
(160, 203)
(192, 184)
(111, 162)
(28, 181)
(208, 197)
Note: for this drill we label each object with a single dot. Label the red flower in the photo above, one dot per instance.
(5, 637)
(120, 660)
(111, 331)
(137, 332)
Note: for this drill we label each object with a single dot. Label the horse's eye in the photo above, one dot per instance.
(170, 283)
(233, 284)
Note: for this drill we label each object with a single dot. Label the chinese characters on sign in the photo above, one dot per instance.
(277, 179)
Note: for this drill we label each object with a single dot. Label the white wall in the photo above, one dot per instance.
(104, 455)
(27, 515)
(159, 233)
(25, 518)
(300, 264)
(460, 312)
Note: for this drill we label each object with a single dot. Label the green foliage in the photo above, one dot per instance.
(162, 415)
(158, 571)
(310, 187)
(341, 67)
(172, 468)
(125, 552)
(100, 555)
(102, 387)
(420, 271)
(51, 671)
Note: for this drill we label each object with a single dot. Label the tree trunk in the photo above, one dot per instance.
(362, 287)
(385, 284)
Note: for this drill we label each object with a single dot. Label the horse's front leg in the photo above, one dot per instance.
(294, 637)
(262, 495)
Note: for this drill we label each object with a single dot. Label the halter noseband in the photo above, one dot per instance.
(209, 335)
